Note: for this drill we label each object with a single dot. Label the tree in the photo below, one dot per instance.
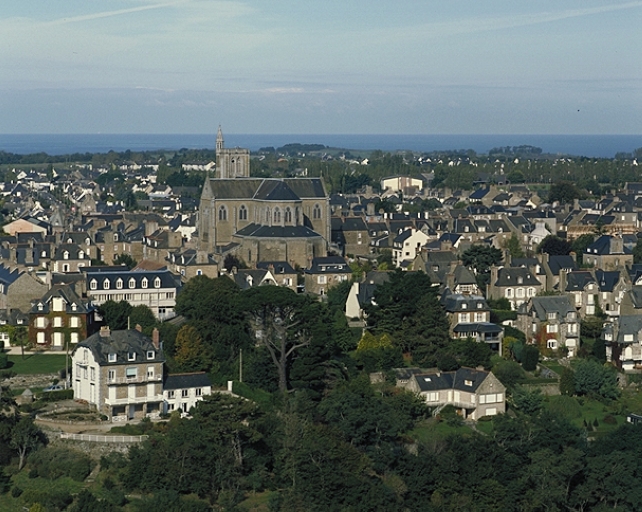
(25, 437)
(580, 244)
(115, 314)
(563, 192)
(592, 378)
(526, 401)
(275, 319)
(189, 350)
(143, 316)
(567, 382)
(530, 358)
(555, 246)
(481, 258)
(125, 259)
(637, 251)
(514, 247)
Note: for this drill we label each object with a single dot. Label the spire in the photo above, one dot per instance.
(219, 139)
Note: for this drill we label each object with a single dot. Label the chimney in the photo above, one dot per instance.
(563, 280)
(104, 331)
(138, 328)
(370, 209)
(156, 338)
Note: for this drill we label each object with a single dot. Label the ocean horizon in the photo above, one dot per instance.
(598, 146)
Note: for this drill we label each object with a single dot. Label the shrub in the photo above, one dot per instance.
(609, 420)
(57, 499)
(565, 406)
(4, 360)
(54, 396)
(113, 460)
(53, 463)
(530, 357)
(16, 491)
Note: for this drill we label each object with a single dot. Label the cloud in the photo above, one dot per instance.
(285, 90)
(109, 14)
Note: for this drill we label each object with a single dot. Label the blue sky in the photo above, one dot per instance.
(321, 66)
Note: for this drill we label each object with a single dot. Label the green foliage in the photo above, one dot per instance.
(637, 251)
(4, 360)
(481, 258)
(594, 379)
(125, 259)
(567, 382)
(555, 246)
(53, 463)
(580, 244)
(509, 373)
(115, 314)
(564, 192)
(527, 401)
(190, 352)
(514, 247)
(565, 406)
(530, 358)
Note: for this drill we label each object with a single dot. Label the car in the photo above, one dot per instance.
(55, 387)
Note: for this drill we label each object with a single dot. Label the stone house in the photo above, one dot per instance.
(182, 391)
(551, 322)
(60, 319)
(406, 245)
(120, 373)
(189, 263)
(326, 272)
(608, 253)
(623, 340)
(517, 284)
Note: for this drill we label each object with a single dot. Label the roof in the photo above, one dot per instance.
(167, 279)
(464, 379)
(258, 231)
(271, 189)
(187, 380)
(560, 305)
(512, 276)
(275, 190)
(486, 327)
(123, 344)
(577, 281)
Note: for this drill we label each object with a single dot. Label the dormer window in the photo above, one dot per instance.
(468, 382)
(65, 255)
(464, 306)
(74, 307)
(119, 283)
(106, 284)
(40, 306)
(131, 356)
(112, 358)
(115, 237)
(132, 283)
(479, 305)
(87, 241)
(93, 284)
(144, 282)
(81, 255)
(150, 354)
(70, 241)
(157, 282)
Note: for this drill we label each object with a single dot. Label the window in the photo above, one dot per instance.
(552, 344)
(157, 282)
(150, 372)
(41, 322)
(509, 292)
(288, 216)
(57, 321)
(316, 212)
(92, 372)
(184, 393)
(93, 284)
(40, 337)
(131, 356)
(65, 255)
(520, 292)
(131, 372)
(242, 212)
(74, 321)
(150, 354)
(321, 279)
(551, 328)
(530, 292)
(74, 337)
(106, 284)
(277, 216)
(132, 282)
(198, 392)
(112, 357)
(144, 282)
(119, 283)
(464, 317)
(222, 213)
(111, 375)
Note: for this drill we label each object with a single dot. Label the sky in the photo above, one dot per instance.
(321, 66)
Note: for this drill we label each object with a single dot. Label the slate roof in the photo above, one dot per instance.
(577, 281)
(436, 380)
(8, 276)
(329, 264)
(454, 302)
(511, 277)
(603, 246)
(553, 304)
(70, 297)
(280, 267)
(479, 194)
(258, 231)
(558, 262)
(168, 280)
(486, 327)
(629, 324)
(275, 190)
(186, 380)
(122, 343)
(607, 280)
(267, 189)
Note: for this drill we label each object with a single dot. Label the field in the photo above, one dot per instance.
(37, 363)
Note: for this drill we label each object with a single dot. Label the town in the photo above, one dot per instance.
(306, 285)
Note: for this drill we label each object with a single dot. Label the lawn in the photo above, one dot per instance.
(583, 412)
(37, 485)
(432, 431)
(37, 363)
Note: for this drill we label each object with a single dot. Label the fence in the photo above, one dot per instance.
(103, 439)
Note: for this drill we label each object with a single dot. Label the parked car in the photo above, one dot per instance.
(55, 387)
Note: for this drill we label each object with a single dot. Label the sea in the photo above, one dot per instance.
(600, 146)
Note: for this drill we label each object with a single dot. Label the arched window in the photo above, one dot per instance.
(106, 284)
(93, 284)
(288, 215)
(81, 255)
(157, 282)
(277, 216)
(132, 282)
(222, 213)
(119, 283)
(242, 212)
(143, 283)
(316, 212)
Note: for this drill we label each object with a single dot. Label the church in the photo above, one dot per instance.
(261, 219)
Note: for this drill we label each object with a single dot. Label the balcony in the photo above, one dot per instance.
(141, 379)
(134, 400)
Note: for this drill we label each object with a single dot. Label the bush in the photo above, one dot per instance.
(57, 499)
(54, 396)
(509, 373)
(609, 420)
(565, 406)
(16, 491)
(4, 360)
(53, 463)
(530, 357)
(113, 460)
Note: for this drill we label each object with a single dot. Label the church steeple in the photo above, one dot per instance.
(219, 140)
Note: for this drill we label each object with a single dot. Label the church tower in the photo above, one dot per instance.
(231, 163)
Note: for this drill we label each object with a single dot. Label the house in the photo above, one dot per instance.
(190, 262)
(474, 393)
(469, 317)
(282, 273)
(362, 294)
(326, 272)
(552, 322)
(69, 257)
(406, 245)
(120, 373)
(181, 391)
(517, 284)
(623, 340)
(608, 253)
(155, 289)
(60, 319)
